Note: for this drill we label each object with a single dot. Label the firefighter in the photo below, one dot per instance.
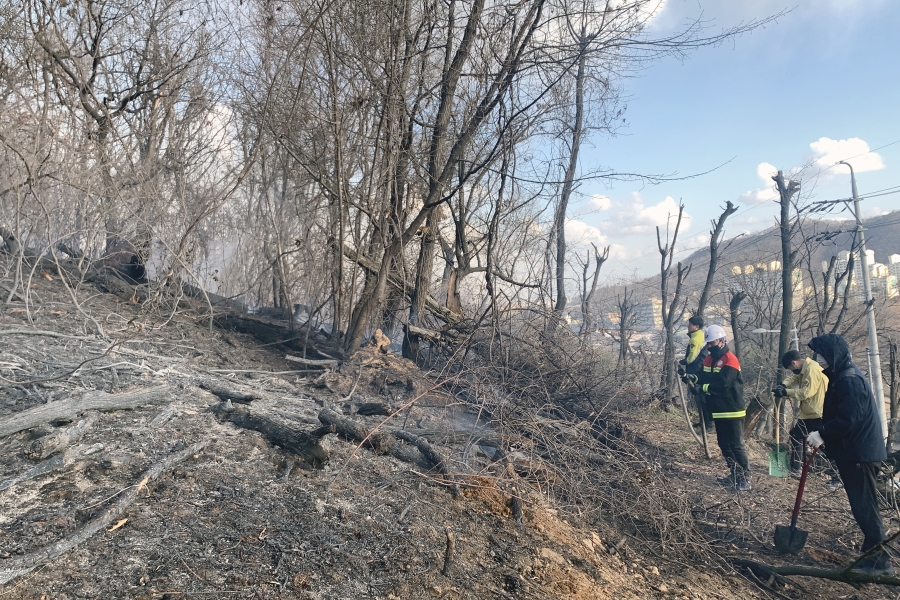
(722, 387)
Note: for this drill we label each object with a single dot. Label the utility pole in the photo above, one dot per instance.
(875, 371)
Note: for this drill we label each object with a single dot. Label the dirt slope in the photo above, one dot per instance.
(244, 519)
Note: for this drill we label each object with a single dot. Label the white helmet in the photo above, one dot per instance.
(713, 333)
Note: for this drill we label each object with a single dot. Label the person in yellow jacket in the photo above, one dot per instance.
(692, 364)
(806, 385)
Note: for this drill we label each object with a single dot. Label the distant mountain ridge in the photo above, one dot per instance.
(826, 237)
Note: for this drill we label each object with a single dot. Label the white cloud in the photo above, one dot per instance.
(827, 152)
(635, 218)
(597, 203)
(600, 202)
(764, 171)
(579, 233)
(875, 211)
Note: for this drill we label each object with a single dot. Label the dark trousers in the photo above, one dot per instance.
(859, 483)
(730, 435)
(803, 428)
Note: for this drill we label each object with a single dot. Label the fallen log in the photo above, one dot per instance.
(166, 415)
(268, 332)
(225, 393)
(427, 450)
(304, 444)
(312, 362)
(22, 565)
(370, 409)
(381, 443)
(57, 441)
(845, 575)
(70, 408)
(459, 436)
(48, 466)
(428, 334)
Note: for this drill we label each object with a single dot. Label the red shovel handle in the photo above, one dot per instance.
(803, 474)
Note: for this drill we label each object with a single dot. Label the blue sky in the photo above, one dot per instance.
(820, 85)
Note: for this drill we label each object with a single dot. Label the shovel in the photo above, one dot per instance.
(790, 539)
(778, 464)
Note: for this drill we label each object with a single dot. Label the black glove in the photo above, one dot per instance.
(779, 391)
(681, 371)
(682, 362)
(690, 379)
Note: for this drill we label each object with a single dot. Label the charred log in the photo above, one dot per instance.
(69, 409)
(304, 444)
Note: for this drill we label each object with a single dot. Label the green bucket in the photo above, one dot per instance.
(779, 464)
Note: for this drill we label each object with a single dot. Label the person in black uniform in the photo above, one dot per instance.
(852, 435)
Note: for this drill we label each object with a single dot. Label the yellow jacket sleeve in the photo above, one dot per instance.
(695, 345)
(809, 389)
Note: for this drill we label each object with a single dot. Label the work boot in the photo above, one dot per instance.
(743, 485)
(876, 566)
(727, 481)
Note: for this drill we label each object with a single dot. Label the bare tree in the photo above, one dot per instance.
(672, 304)
(627, 323)
(734, 306)
(588, 290)
(715, 240)
(786, 191)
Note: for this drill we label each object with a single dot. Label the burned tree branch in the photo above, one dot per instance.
(22, 565)
(54, 442)
(224, 393)
(70, 408)
(303, 444)
(381, 443)
(847, 576)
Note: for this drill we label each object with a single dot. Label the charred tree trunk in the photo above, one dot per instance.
(785, 191)
(304, 444)
(587, 293)
(72, 407)
(669, 305)
(626, 326)
(734, 313)
(559, 224)
(715, 239)
(422, 287)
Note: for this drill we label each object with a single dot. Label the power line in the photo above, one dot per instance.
(815, 176)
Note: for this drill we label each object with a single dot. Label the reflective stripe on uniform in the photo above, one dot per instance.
(705, 388)
(707, 369)
(739, 414)
(716, 369)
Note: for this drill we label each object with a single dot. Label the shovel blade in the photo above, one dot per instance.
(778, 465)
(790, 540)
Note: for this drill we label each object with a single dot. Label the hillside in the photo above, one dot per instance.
(882, 236)
(182, 496)
(827, 239)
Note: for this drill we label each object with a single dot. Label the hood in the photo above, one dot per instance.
(834, 349)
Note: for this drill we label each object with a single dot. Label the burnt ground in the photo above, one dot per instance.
(246, 519)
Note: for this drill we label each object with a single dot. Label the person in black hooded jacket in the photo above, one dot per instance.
(852, 435)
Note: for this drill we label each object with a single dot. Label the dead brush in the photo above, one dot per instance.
(566, 397)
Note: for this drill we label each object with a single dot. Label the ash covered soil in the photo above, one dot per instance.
(243, 518)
